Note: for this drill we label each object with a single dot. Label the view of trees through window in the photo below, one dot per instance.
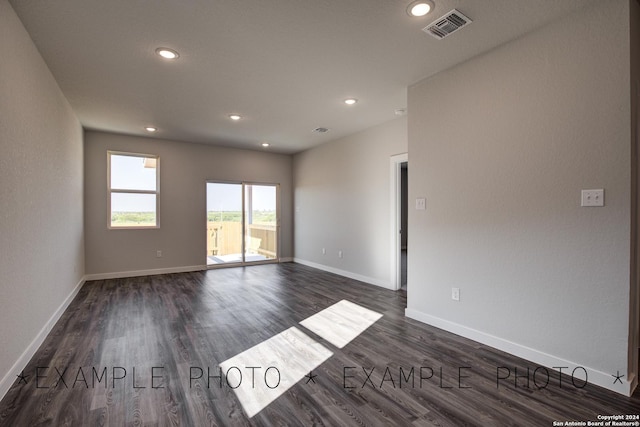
(259, 217)
(133, 188)
(234, 237)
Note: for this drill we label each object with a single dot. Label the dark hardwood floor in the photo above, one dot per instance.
(183, 323)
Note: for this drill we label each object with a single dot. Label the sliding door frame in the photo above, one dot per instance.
(243, 185)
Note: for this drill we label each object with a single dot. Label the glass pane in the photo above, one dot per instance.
(133, 210)
(224, 223)
(261, 223)
(133, 173)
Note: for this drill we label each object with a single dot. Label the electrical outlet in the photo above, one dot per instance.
(455, 294)
(421, 203)
(158, 254)
(592, 198)
(324, 251)
(339, 254)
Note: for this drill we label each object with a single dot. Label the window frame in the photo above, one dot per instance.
(111, 191)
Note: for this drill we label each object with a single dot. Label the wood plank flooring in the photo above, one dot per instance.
(129, 352)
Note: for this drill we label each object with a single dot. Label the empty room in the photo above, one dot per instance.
(363, 212)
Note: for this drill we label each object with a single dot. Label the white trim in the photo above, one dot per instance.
(286, 259)
(602, 379)
(154, 272)
(111, 191)
(10, 377)
(395, 238)
(633, 383)
(344, 273)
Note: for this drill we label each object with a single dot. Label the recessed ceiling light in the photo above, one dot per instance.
(167, 53)
(235, 117)
(400, 112)
(150, 129)
(419, 8)
(265, 144)
(350, 101)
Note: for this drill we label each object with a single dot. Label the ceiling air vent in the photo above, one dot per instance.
(449, 23)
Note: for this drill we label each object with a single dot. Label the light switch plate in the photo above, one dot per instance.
(592, 198)
(421, 203)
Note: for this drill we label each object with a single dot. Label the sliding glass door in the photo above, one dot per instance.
(224, 223)
(260, 222)
(242, 223)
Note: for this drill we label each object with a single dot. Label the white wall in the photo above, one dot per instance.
(501, 146)
(341, 200)
(184, 170)
(41, 228)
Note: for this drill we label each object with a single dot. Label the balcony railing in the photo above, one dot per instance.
(225, 238)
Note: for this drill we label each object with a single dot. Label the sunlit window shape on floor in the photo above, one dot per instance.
(341, 323)
(262, 373)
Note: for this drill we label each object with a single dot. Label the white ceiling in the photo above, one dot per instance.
(284, 65)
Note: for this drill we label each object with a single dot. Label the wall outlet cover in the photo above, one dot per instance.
(592, 198)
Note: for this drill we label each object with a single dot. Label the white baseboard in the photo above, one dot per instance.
(633, 382)
(286, 259)
(9, 378)
(602, 379)
(138, 273)
(345, 273)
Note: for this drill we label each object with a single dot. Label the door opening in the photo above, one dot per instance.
(399, 226)
(404, 222)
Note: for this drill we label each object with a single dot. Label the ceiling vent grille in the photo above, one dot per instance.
(447, 24)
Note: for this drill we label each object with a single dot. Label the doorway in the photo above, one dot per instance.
(404, 222)
(242, 223)
(399, 172)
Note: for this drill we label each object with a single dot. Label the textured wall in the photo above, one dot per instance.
(501, 146)
(41, 228)
(342, 201)
(184, 170)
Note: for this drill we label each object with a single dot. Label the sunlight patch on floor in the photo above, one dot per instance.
(262, 373)
(341, 323)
